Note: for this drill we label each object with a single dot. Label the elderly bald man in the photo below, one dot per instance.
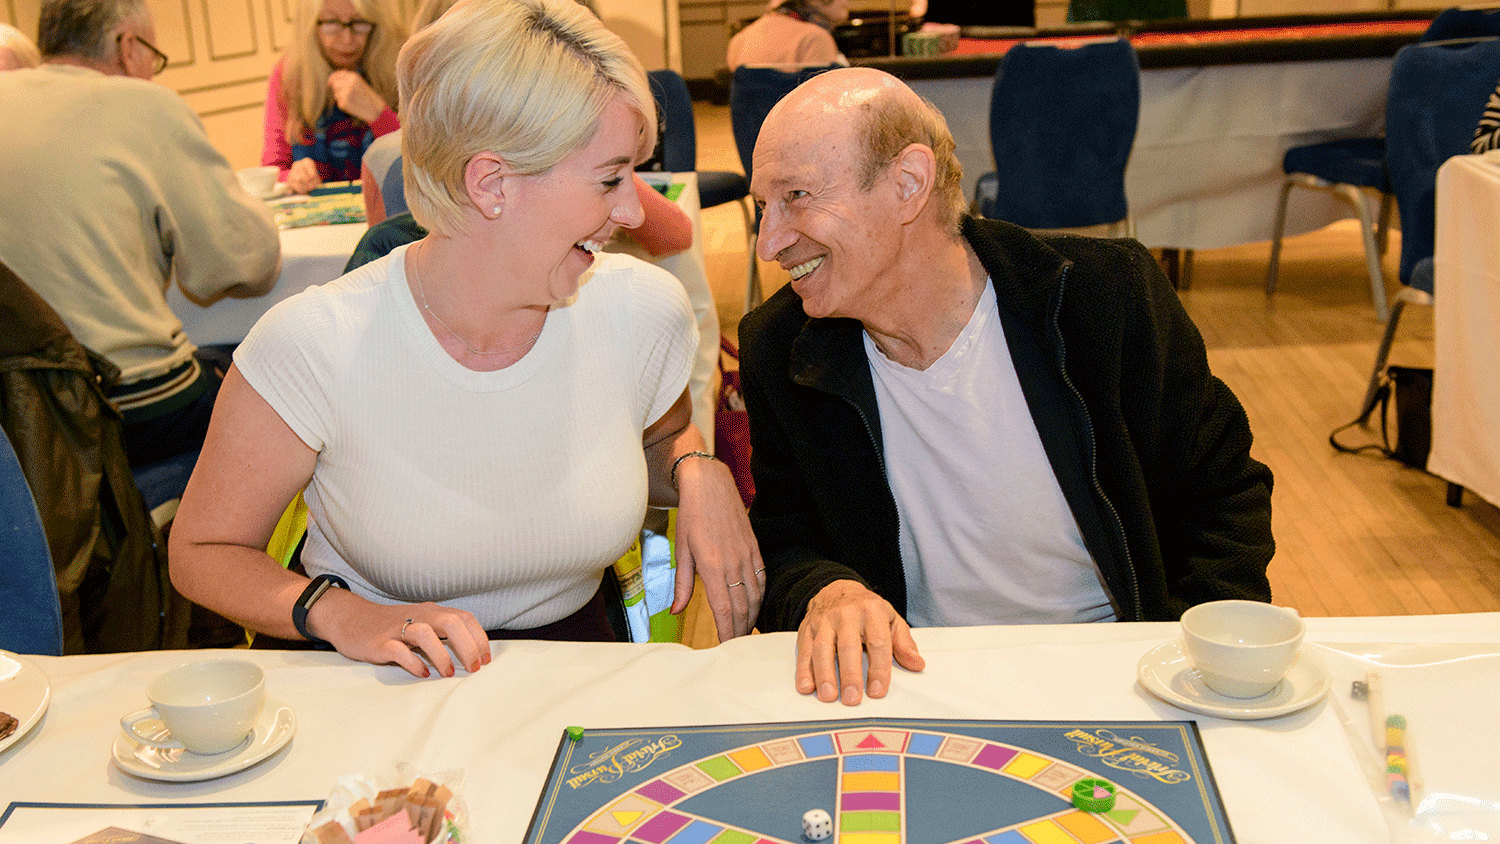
(956, 421)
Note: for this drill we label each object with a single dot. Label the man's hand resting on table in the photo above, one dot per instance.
(844, 621)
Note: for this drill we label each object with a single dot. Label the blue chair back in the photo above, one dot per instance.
(1463, 23)
(393, 190)
(1437, 94)
(1062, 124)
(679, 134)
(30, 615)
(753, 91)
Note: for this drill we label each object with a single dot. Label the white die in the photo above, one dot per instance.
(817, 825)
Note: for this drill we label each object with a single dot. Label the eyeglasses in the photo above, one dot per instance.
(159, 63)
(330, 28)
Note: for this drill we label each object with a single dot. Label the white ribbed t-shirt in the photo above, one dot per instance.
(502, 493)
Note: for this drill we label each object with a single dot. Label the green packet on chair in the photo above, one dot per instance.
(648, 579)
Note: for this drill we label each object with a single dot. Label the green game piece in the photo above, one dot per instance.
(1093, 795)
(575, 733)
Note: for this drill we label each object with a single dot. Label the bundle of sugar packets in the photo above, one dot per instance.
(415, 810)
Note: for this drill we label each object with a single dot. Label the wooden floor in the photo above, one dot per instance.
(1355, 535)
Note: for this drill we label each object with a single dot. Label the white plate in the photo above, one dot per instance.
(273, 729)
(24, 693)
(1164, 672)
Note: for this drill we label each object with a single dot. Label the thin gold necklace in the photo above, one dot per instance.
(473, 351)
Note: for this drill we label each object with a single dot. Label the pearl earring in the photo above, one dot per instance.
(495, 211)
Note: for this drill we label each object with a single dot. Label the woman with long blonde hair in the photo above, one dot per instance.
(333, 92)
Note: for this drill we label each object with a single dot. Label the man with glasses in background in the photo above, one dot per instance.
(111, 190)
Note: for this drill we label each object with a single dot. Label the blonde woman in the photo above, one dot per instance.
(333, 92)
(479, 419)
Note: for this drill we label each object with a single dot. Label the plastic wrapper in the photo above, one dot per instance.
(401, 800)
(1421, 730)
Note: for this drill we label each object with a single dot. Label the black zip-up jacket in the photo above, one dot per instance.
(1151, 450)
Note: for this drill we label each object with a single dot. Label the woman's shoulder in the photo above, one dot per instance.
(321, 312)
(623, 274)
(625, 285)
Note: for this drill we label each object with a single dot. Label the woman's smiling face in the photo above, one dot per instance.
(573, 209)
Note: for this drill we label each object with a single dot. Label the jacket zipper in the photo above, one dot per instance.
(1088, 427)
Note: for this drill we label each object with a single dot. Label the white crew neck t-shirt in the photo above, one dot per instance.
(986, 535)
(502, 493)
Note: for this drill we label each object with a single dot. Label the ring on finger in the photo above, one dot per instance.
(737, 583)
(402, 634)
(760, 570)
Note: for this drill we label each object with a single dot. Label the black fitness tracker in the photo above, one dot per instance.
(320, 584)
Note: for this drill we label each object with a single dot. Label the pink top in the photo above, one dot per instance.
(275, 149)
(775, 38)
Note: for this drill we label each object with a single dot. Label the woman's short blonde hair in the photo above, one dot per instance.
(525, 79)
(304, 80)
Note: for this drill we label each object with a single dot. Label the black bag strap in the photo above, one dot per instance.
(1381, 401)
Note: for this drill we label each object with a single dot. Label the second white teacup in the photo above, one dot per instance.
(208, 707)
(1242, 649)
(258, 181)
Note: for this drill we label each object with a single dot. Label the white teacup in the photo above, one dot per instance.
(1242, 649)
(208, 707)
(258, 181)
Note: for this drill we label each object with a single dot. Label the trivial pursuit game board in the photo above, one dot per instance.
(883, 781)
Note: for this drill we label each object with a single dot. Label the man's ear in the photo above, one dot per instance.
(485, 181)
(914, 172)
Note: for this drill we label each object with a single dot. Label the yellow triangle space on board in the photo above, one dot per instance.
(625, 819)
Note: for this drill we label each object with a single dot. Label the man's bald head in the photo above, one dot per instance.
(880, 116)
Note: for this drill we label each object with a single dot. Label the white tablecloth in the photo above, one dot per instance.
(1466, 326)
(317, 254)
(309, 255)
(1290, 779)
(1206, 167)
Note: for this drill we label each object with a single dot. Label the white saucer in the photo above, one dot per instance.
(273, 193)
(1164, 672)
(273, 729)
(24, 693)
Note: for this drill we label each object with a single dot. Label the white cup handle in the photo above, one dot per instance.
(128, 724)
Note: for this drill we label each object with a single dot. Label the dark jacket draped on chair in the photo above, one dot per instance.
(110, 560)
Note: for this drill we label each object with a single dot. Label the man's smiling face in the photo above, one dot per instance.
(836, 237)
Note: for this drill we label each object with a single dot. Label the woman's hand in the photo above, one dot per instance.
(714, 541)
(355, 96)
(400, 634)
(303, 176)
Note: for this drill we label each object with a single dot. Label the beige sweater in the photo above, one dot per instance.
(777, 39)
(111, 189)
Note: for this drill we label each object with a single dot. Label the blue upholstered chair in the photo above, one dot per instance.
(1062, 124)
(1457, 23)
(393, 189)
(679, 154)
(30, 615)
(1438, 91)
(1351, 167)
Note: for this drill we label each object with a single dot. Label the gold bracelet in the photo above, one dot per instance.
(678, 462)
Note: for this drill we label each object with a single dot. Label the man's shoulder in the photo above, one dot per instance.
(774, 324)
(987, 235)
